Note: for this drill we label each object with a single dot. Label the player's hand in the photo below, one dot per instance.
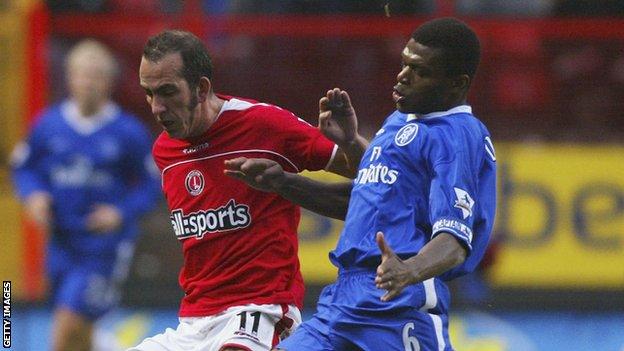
(104, 218)
(38, 208)
(393, 274)
(259, 173)
(337, 119)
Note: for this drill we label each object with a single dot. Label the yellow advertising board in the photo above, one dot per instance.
(560, 217)
(317, 237)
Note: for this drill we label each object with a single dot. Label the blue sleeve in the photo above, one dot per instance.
(144, 189)
(28, 172)
(484, 206)
(452, 191)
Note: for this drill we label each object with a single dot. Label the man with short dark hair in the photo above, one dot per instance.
(241, 279)
(420, 211)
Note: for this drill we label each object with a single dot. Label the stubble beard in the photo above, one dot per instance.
(192, 120)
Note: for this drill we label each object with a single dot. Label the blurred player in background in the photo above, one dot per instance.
(85, 176)
(241, 279)
(420, 210)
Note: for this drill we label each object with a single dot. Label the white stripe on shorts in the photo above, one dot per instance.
(437, 325)
(431, 297)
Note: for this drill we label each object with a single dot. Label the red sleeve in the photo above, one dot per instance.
(301, 143)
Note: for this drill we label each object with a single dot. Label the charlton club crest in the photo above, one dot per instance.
(194, 182)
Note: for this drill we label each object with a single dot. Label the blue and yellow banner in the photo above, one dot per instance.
(561, 216)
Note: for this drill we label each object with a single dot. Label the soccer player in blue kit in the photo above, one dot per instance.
(420, 211)
(85, 175)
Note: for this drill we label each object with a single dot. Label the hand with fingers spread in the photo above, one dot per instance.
(259, 173)
(337, 119)
(393, 274)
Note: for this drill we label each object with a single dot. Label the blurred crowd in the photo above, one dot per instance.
(463, 7)
(551, 88)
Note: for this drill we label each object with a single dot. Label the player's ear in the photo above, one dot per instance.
(461, 82)
(203, 89)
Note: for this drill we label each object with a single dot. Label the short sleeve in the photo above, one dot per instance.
(302, 143)
(453, 190)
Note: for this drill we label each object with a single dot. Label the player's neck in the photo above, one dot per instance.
(209, 111)
(88, 110)
(452, 104)
(213, 106)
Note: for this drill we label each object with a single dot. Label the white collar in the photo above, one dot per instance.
(456, 109)
(86, 125)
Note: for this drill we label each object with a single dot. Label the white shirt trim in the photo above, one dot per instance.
(225, 154)
(239, 105)
(454, 110)
(235, 104)
(331, 159)
(86, 125)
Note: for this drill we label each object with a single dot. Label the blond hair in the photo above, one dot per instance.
(93, 50)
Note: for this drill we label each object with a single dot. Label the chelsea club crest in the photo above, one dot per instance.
(406, 134)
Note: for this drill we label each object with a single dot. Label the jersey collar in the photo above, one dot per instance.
(88, 125)
(454, 110)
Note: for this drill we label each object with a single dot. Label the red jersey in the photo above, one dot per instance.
(240, 244)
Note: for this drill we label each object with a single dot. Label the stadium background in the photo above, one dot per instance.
(550, 87)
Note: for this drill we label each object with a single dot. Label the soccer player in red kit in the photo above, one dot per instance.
(241, 279)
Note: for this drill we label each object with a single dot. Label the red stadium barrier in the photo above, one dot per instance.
(36, 92)
(326, 25)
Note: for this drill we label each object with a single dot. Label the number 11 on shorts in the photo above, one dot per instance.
(243, 321)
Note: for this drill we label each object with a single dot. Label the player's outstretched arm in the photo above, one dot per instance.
(338, 122)
(438, 256)
(326, 199)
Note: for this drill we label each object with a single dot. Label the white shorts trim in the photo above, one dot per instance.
(251, 327)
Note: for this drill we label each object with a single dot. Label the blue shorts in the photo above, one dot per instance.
(351, 317)
(87, 285)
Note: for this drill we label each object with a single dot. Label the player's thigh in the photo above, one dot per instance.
(417, 331)
(71, 331)
(311, 335)
(427, 330)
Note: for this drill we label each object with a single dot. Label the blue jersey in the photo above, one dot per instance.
(82, 162)
(418, 178)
